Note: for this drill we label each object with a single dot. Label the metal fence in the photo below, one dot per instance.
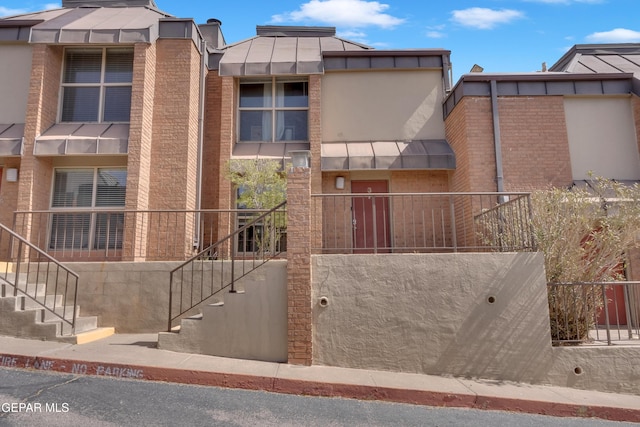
(422, 222)
(30, 273)
(115, 235)
(595, 313)
(261, 238)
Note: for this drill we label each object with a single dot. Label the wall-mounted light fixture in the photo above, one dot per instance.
(340, 182)
(12, 175)
(300, 158)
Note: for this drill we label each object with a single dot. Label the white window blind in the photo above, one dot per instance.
(93, 193)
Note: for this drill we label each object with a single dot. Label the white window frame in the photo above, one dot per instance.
(273, 108)
(102, 85)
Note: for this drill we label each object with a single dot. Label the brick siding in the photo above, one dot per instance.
(535, 143)
(299, 267)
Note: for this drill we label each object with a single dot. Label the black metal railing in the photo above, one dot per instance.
(595, 313)
(30, 272)
(422, 222)
(261, 238)
(125, 235)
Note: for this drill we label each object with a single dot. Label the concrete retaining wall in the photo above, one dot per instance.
(432, 314)
(133, 297)
(468, 315)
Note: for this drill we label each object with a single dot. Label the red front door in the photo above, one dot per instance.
(371, 233)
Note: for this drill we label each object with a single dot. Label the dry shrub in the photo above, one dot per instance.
(584, 234)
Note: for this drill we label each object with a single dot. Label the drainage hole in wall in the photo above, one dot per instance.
(491, 299)
(578, 370)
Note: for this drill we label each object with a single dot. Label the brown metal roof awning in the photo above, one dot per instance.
(388, 155)
(99, 25)
(11, 139)
(76, 138)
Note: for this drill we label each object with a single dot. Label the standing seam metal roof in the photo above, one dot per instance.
(273, 55)
(607, 58)
(88, 25)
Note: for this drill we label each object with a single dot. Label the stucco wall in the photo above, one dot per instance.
(133, 297)
(602, 138)
(15, 71)
(250, 324)
(431, 314)
(382, 105)
(422, 313)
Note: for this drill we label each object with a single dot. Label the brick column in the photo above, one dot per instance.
(299, 266)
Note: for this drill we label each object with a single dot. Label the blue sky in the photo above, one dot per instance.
(499, 35)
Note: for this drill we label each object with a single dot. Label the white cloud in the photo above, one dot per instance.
(618, 35)
(349, 13)
(436, 31)
(483, 18)
(352, 34)
(4, 11)
(435, 34)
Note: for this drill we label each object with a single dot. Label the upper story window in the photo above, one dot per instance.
(96, 85)
(275, 110)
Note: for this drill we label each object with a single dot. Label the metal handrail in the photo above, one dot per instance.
(102, 234)
(23, 252)
(186, 285)
(422, 222)
(580, 312)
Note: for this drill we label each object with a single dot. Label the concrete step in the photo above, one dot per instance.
(25, 324)
(88, 336)
(83, 324)
(23, 317)
(41, 301)
(65, 312)
(7, 288)
(6, 267)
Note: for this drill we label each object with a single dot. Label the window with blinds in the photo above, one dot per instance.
(92, 199)
(274, 110)
(96, 85)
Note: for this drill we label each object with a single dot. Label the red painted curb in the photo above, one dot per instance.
(313, 388)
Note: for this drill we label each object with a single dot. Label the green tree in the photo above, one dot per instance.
(260, 184)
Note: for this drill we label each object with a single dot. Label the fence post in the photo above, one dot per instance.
(606, 313)
(454, 237)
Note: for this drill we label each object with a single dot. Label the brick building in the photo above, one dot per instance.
(101, 112)
(117, 123)
(121, 114)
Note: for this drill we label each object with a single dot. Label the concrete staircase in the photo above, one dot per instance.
(248, 324)
(31, 315)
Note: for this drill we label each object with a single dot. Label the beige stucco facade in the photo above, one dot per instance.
(602, 137)
(433, 314)
(15, 73)
(463, 315)
(382, 105)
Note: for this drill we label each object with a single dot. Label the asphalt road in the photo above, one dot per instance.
(48, 399)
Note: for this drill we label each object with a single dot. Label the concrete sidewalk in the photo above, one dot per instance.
(136, 356)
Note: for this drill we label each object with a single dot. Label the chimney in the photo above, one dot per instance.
(212, 33)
